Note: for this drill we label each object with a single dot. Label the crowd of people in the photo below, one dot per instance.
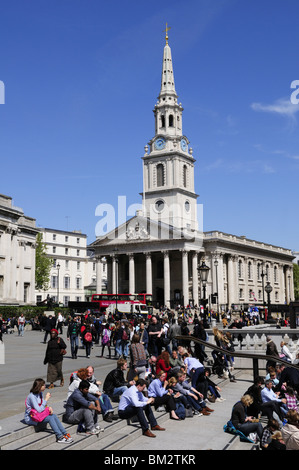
(276, 397)
(156, 370)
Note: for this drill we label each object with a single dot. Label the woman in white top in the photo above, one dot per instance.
(285, 352)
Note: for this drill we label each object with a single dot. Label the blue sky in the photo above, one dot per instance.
(82, 78)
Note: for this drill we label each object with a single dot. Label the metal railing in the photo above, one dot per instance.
(255, 357)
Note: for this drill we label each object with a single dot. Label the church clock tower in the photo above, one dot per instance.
(168, 163)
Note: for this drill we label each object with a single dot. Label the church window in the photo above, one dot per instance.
(162, 121)
(160, 175)
(170, 120)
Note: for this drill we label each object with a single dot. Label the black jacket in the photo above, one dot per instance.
(53, 352)
(114, 379)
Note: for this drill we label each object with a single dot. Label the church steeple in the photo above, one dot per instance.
(167, 79)
(168, 180)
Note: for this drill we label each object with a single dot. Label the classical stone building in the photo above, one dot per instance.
(17, 254)
(160, 249)
(74, 271)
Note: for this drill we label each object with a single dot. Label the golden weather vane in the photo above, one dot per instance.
(166, 31)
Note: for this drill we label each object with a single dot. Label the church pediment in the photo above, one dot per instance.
(143, 229)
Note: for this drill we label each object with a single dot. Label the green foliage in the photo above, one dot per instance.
(43, 264)
(296, 280)
(29, 311)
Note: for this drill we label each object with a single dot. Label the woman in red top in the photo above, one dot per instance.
(162, 363)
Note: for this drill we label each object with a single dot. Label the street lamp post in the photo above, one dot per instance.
(203, 271)
(58, 268)
(268, 290)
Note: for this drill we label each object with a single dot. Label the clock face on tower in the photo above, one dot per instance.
(160, 143)
(184, 145)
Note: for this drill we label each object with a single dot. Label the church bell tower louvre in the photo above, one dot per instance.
(168, 163)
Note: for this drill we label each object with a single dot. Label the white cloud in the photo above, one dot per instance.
(283, 107)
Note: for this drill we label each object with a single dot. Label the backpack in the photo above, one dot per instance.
(124, 335)
(88, 337)
(105, 339)
(180, 410)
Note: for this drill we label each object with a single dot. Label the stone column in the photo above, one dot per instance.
(231, 280)
(217, 273)
(195, 278)
(131, 274)
(114, 275)
(149, 279)
(185, 277)
(166, 279)
(99, 275)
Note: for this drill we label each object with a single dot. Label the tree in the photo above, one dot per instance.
(296, 280)
(43, 264)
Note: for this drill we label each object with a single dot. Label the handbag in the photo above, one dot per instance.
(38, 417)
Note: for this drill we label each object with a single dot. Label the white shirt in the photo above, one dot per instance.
(192, 363)
(132, 397)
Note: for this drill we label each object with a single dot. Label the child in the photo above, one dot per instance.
(291, 399)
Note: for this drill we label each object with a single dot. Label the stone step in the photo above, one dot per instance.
(115, 436)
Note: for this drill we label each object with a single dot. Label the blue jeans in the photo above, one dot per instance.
(118, 391)
(56, 425)
(21, 330)
(105, 403)
(118, 347)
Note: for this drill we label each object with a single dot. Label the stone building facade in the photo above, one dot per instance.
(17, 254)
(160, 249)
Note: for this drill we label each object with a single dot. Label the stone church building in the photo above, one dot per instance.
(159, 250)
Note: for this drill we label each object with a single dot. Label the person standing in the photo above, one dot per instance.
(271, 350)
(55, 351)
(21, 325)
(60, 321)
(73, 333)
(49, 324)
(154, 332)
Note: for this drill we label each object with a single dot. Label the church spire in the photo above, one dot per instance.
(167, 79)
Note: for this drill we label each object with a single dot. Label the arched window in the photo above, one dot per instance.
(185, 176)
(162, 121)
(160, 174)
(170, 120)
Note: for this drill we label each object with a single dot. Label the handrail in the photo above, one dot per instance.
(254, 357)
